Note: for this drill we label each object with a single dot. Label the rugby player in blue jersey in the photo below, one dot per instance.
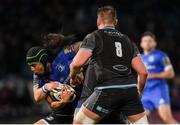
(50, 65)
(156, 92)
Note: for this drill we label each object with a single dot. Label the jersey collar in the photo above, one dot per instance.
(150, 52)
(108, 27)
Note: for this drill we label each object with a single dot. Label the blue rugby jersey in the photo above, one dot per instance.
(156, 61)
(59, 68)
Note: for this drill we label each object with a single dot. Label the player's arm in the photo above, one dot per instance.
(168, 72)
(39, 95)
(56, 105)
(140, 68)
(40, 92)
(138, 65)
(83, 55)
(79, 60)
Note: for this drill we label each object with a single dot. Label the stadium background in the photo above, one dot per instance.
(23, 22)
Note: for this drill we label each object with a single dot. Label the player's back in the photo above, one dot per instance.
(112, 57)
(60, 65)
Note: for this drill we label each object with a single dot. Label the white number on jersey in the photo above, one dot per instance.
(118, 49)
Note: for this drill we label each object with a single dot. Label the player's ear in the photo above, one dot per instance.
(98, 21)
(116, 21)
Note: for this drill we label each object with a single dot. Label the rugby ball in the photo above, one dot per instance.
(55, 94)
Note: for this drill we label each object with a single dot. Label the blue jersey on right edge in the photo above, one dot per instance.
(156, 91)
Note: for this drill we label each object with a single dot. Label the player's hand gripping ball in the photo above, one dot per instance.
(57, 93)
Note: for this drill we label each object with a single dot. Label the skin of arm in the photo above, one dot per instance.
(140, 68)
(39, 95)
(56, 105)
(167, 74)
(79, 60)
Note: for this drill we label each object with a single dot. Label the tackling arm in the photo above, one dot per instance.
(139, 67)
(79, 60)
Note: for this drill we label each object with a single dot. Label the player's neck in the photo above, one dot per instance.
(146, 52)
(102, 26)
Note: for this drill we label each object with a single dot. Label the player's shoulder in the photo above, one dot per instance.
(92, 34)
(160, 53)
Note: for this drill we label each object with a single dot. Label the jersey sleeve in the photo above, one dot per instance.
(165, 61)
(89, 42)
(135, 50)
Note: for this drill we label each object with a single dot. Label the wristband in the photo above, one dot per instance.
(44, 89)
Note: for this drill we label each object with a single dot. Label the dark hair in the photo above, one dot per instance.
(57, 40)
(53, 42)
(149, 34)
(107, 13)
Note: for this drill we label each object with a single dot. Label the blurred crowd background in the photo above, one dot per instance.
(23, 22)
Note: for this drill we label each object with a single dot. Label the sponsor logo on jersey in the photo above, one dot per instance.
(101, 109)
(120, 67)
(112, 33)
(67, 50)
(150, 67)
(151, 59)
(161, 101)
(61, 68)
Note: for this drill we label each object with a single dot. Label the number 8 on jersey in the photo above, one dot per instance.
(118, 49)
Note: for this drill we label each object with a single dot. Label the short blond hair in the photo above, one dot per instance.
(107, 13)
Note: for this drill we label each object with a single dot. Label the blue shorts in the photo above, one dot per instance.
(153, 98)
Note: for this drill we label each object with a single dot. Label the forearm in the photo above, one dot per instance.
(39, 95)
(140, 68)
(141, 82)
(74, 70)
(81, 58)
(56, 105)
(162, 75)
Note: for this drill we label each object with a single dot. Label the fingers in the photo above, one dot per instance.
(66, 94)
(77, 81)
(51, 85)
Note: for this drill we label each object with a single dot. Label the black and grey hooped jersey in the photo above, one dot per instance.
(112, 56)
